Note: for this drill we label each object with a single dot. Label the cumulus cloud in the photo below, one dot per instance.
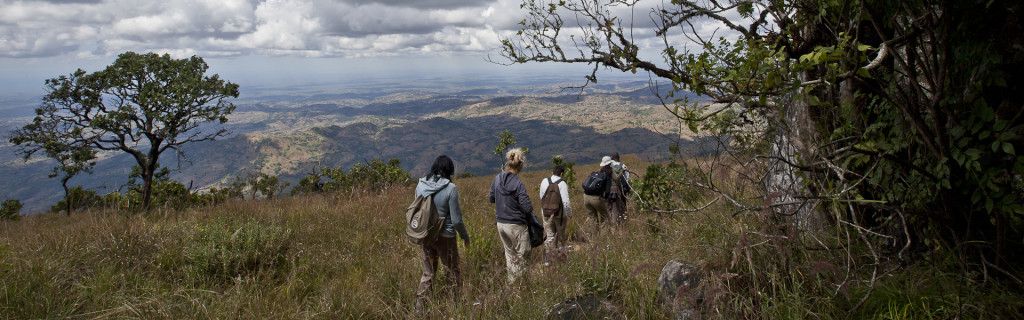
(302, 28)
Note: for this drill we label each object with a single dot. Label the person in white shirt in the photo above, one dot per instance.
(556, 212)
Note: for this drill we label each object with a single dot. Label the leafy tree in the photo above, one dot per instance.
(231, 191)
(265, 184)
(57, 140)
(570, 174)
(142, 104)
(506, 140)
(895, 121)
(77, 198)
(375, 175)
(10, 209)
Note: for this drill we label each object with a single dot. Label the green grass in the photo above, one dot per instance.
(346, 256)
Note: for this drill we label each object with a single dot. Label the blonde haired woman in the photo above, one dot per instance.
(513, 211)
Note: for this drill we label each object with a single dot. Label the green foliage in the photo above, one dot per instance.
(10, 209)
(570, 174)
(506, 141)
(665, 186)
(266, 185)
(231, 191)
(146, 100)
(376, 175)
(166, 193)
(79, 198)
(899, 118)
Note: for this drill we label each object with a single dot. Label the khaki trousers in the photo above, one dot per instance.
(554, 230)
(597, 208)
(446, 250)
(516, 239)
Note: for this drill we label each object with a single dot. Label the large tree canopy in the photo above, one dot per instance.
(896, 119)
(142, 104)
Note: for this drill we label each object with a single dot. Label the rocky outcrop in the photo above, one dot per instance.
(678, 289)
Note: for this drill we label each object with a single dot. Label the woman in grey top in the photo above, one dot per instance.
(445, 248)
(512, 210)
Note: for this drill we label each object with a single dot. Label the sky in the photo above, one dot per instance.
(264, 42)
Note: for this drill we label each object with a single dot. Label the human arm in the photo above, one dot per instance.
(563, 190)
(455, 212)
(490, 193)
(524, 199)
(543, 187)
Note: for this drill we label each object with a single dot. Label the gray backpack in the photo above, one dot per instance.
(422, 224)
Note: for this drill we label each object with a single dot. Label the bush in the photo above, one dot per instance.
(79, 198)
(221, 251)
(10, 210)
(376, 175)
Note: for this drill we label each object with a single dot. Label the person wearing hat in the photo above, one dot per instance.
(596, 205)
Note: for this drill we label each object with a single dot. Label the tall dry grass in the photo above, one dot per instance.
(330, 256)
(346, 256)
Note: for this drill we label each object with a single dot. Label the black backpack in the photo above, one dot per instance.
(594, 185)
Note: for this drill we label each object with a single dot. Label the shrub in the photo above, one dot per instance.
(375, 175)
(79, 198)
(10, 210)
(221, 251)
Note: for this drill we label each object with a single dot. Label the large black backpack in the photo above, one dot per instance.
(422, 223)
(551, 202)
(594, 185)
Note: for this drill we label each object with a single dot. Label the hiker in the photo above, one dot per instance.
(446, 199)
(557, 210)
(512, 207)
(595, 201)
(619, 189)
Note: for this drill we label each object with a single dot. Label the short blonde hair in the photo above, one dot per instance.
(515, 160)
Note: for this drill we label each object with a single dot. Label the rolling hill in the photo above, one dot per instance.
(338, 129)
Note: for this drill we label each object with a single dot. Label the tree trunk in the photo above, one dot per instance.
(795, 141)
(147, 187)
(67, 195)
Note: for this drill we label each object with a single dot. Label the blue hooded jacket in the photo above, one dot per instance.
(446, 200)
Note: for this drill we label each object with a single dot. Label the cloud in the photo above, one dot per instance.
(297, 28)
(423, 4)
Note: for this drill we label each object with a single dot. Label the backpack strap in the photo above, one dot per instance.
(555, 183)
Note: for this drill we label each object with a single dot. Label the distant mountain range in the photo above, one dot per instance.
(293, 135)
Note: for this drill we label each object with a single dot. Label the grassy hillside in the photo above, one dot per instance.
(334, 256)
(342, 256)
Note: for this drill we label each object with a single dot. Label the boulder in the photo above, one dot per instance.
(678, 289)
(587, 306)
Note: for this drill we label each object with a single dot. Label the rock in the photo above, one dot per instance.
(687, 314)
(586, 306)
(678, 289)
